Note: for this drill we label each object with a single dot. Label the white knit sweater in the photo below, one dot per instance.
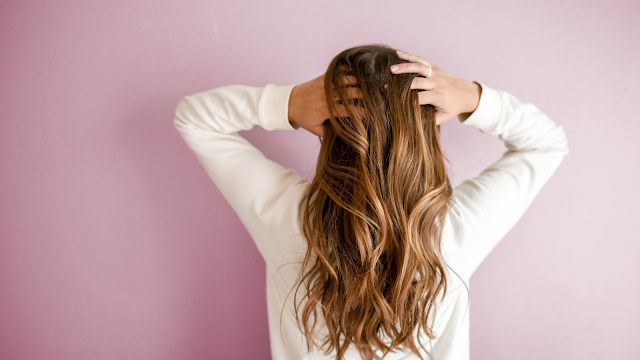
(266, 195)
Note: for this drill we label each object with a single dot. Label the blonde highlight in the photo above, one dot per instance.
(373, 214)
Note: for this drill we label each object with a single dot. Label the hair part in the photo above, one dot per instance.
(373, 214)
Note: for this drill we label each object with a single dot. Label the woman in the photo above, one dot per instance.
(371, 259)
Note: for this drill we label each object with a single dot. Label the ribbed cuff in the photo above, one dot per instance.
(275, 107)
(489, 109)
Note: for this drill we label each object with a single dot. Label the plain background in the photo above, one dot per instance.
(114, 244)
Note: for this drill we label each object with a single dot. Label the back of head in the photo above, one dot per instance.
(373, 213)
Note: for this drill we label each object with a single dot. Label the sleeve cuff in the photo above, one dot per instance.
(275, 107)
(489, 109)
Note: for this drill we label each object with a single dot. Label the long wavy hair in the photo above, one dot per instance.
(373, 214)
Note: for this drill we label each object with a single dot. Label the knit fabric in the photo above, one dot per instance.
(265, 195)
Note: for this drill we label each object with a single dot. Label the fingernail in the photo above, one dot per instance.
(399, 52)
(395, 68)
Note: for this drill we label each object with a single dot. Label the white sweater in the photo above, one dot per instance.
(266, 195)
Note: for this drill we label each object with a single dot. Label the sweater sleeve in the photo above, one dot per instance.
(487, 206)
(262, 192)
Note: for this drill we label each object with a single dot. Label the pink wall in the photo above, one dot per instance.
(114, 244)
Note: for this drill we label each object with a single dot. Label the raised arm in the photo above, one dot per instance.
(261, 191)
(487, 206)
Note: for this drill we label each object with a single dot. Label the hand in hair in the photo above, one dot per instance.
(308, 105)
(450, 95)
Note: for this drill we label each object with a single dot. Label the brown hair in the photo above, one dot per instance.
(373, 214)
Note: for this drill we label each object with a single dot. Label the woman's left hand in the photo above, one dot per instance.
(449, 95)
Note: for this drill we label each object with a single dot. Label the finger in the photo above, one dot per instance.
(428, 97)
(441, 118)
(419, 68)
(342, 110)
(358, 111)
(422, 83)
(317, 130)
(347, 80)
(353, 93)
(412, 58)
(344, 81)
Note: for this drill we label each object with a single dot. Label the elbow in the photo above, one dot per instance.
(183, 114)
(556, 142)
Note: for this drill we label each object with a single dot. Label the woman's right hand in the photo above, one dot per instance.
(449, 95)
(308, 107)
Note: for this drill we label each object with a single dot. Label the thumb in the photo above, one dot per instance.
(442, 117)
(317, 130)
